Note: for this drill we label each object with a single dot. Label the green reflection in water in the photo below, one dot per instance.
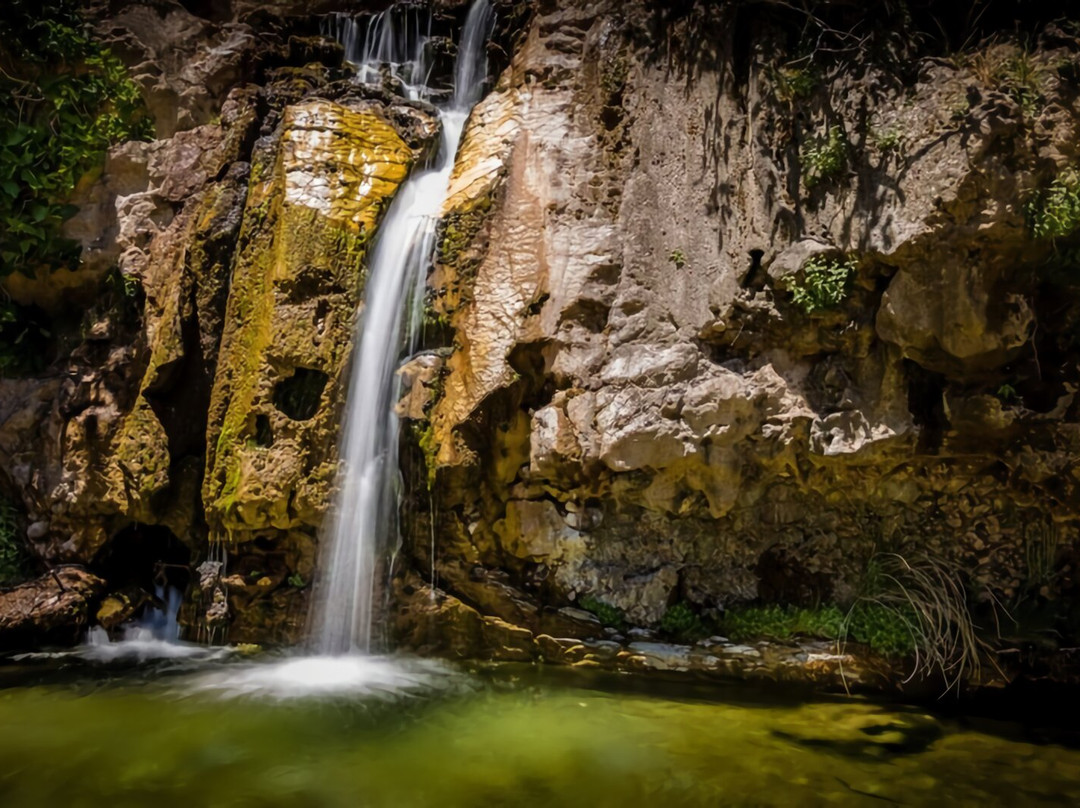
(513, 738)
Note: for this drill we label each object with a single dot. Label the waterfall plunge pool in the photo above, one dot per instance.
(175, 732)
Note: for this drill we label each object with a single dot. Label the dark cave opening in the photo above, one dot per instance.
(144, 556)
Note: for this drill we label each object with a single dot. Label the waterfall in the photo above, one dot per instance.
(362, 524)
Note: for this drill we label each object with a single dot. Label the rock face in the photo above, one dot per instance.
(717, 317)
(196, 418)
(638, 411)
(54, 607)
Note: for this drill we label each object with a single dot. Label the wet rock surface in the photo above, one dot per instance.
(56, 607)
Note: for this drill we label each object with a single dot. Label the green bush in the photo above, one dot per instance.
(681, 623)
(824, 158)
(1054, 212)
(13, 559)
(824, 283)
(606, 613)
(70, 99)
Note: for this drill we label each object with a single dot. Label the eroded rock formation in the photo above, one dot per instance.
(637, 410)
(731, 300)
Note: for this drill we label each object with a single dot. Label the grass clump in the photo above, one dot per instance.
(681, 623)
(1054, 212)
(929, 600)
(824, 284)
(824, 158)
(607, 614)
(70, 99)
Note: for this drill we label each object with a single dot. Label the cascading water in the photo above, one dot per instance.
(154, 635)
(364, 517)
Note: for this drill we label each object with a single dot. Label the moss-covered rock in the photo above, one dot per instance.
(315, 199)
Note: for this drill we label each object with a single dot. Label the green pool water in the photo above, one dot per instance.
(509, 736)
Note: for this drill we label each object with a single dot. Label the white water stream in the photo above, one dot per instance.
(363, 522)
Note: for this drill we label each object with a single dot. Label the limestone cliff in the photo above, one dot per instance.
(736, 306)
(656, 405)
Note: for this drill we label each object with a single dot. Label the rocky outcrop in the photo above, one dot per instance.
(639, 411)
(222, 267)
(716, 319)
(52, 608)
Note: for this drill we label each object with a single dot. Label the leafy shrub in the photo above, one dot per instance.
(71, 99)
(824, 158)
(13, 560)
(887, 139)
(606, 613)
(682, 623)
(824, 283)
(1054, 212)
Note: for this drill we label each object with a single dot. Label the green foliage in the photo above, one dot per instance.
(1007, 393)
(887, 139)
(678, 258)
(782, 622)
(680, 622)
(886, 631)
(606, 613)
(24, 339)
(13, 559)
(71, 99)
(1023, 79)
(889, 631)
(792, 83)
(824, 158)
(824, 283)
(1054, 212)
(296, 581)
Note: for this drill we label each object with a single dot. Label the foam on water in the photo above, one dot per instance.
(324, 676)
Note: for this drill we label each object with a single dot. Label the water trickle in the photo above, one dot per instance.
(362, 526)
(154, 635)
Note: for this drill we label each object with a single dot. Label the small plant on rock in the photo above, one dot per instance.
(681, 623)
(607, 614)
(824, 284)
(1054, 212)
(678, 258)
(887, 139)
(793, 83)
(824, 158)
